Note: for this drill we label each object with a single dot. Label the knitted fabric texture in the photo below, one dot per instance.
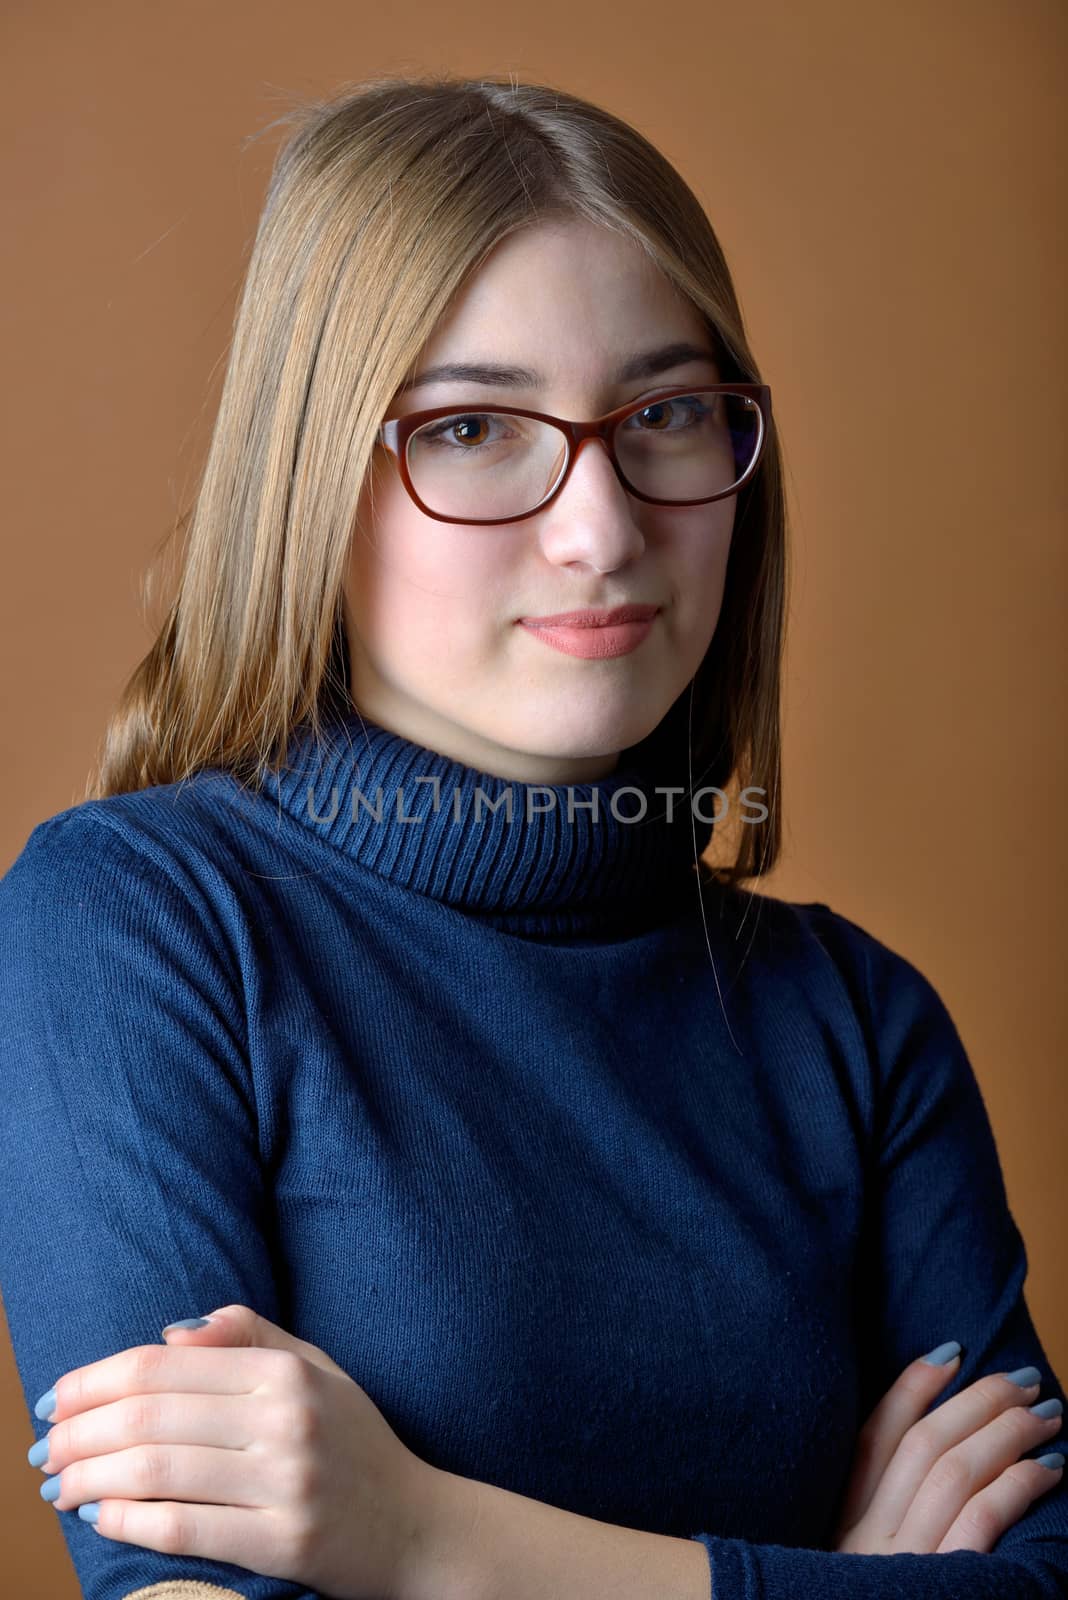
(613, 1189)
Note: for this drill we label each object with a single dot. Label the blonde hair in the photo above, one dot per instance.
(383, 200)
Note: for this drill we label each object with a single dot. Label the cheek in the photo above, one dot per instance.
(694, 549)
(700, 543)
(419, 588)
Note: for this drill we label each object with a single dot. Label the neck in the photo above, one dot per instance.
(610, 857)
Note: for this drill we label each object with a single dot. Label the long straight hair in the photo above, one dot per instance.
(381, 202)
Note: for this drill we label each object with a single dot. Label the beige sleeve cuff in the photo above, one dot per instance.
(183, 1589)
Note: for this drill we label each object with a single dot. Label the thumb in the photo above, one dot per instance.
(235, 1326)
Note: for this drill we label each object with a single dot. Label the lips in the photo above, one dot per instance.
(593, 619)
(596, 641)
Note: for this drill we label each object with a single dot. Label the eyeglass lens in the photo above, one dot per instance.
(490, 464)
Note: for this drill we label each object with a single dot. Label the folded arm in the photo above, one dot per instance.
(941, 1258)
(130, 1184)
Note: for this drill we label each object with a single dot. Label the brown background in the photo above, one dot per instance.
(884, 180)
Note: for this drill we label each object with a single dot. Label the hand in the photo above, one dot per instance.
(239, 1442)
(951, 1480)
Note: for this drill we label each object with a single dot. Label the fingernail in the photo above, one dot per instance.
(46, 1405)
(90, 1511)
(1026, 1377)
(37, 1454)
(1047, 1408)
(51, 1489)
(190, 1322)
(1053, 1460)
(944, 1354)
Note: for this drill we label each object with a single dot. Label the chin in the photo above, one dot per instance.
(584, 735)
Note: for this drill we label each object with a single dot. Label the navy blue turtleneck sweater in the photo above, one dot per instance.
(616, 1190)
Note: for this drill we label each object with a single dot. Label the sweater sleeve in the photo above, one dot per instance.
(942, 1259)
(131, 1193)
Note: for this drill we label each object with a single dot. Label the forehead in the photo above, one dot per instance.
(561, 302)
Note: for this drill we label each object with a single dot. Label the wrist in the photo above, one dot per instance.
(437, 1557)
(476, 1541)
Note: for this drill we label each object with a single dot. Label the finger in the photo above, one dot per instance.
(152, 1368)
(967, 1469)
(155, 1419)
(238, 1325)
(998, 1507)
(939, 1432)
(198, 1474)
(903, 1405)
(246, 1538)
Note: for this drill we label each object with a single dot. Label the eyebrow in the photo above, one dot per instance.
(647, 365)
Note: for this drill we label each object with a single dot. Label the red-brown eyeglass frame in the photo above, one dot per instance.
(396, 431)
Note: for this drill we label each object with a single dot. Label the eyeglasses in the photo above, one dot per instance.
(677, 447)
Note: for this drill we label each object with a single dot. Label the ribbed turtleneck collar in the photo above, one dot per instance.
(566, 862)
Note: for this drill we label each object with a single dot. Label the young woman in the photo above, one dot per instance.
(575, 1220)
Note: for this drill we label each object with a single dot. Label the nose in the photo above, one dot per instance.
(592, 518)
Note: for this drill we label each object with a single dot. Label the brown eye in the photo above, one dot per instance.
(448, 430)
(691, 410)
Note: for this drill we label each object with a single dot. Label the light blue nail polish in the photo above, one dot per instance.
(943, 1354)
(190, 1322)
(90, 1511)
(46, 1405)
(1054, 1460)
(51, 1489)
(1024, 1376)
(1047, 1408)
(37, 1454)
